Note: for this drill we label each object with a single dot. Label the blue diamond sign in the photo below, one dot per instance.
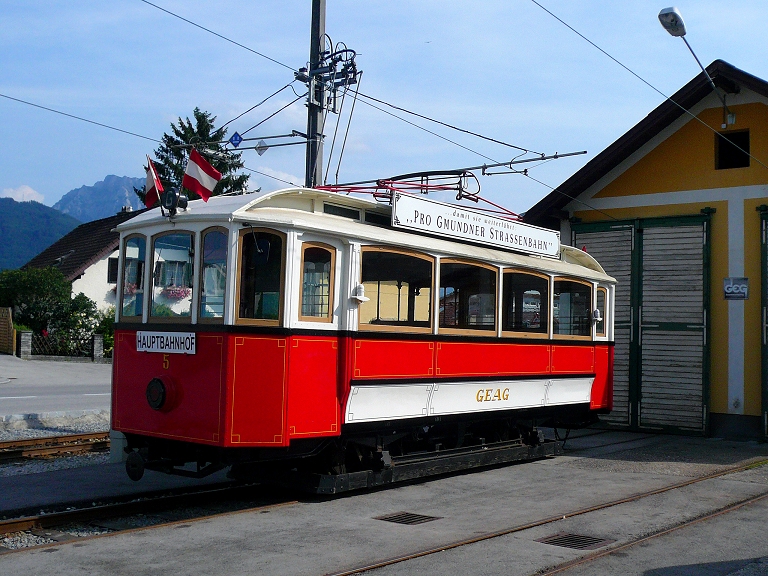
(236, 140)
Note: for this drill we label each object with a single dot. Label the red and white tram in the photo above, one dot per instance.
(306, 329)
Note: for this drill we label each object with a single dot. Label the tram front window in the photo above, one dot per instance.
(572, 313)
(172, 276)
(133, 278)
(261, 274)
(214, 274)
(399, 288)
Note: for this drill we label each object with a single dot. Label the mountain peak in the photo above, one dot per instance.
(105, 198)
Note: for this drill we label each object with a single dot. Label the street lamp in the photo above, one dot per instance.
(672, 21)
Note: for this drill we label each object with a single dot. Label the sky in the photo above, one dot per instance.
(505, 69)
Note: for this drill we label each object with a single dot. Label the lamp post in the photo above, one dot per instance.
(672, 21)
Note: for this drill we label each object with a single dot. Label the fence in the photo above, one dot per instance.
(7, 335)
(47, 347)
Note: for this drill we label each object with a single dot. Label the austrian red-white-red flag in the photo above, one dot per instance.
(200, 177)
(153, 187)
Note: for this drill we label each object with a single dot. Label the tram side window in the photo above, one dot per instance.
(214, 274)
(317, 283)
(133, 278)
(572, 308)
(261, 274)
(467, 297)
(602, 298)
(399, 288)
(525, 303)
(172, 275)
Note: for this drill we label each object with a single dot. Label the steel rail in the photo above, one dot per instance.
(52, 445)
(147, 503)
(552, 519)
(685, 524)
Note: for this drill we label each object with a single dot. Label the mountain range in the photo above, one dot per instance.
(28, 228)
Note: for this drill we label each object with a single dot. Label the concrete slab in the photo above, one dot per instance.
(86, 484)
(328, 535)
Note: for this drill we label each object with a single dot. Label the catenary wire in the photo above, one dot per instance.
(270, 176)
(525, 173)
(428, 131)
(349, 123)
(643, 80)
(216, 34)
(259, 104)
(451, 126)
(274, 114)
(79, 118)
(370, 97)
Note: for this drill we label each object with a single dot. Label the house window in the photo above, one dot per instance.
(732, 150)
(467, 296)
(112, 271)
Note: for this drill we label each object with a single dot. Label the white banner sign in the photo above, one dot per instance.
(418, 213)
(167, 342)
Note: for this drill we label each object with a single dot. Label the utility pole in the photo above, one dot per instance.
(316, 98)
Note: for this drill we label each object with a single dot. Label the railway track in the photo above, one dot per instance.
(146, 504)
(572, 514)
(53, 446)
(222, 492)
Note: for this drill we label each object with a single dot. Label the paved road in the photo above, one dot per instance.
(35, 386)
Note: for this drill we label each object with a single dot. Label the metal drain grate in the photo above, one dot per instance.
(407, 518)
(577, 541)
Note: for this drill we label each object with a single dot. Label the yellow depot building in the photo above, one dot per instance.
(677, 210)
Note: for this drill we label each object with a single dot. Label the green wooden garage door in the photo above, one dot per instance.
(661, 368)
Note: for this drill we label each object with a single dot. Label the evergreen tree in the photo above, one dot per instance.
(173, 153)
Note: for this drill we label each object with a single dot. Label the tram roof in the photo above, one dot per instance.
(257, 207)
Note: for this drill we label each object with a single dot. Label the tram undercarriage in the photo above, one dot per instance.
(366, 456)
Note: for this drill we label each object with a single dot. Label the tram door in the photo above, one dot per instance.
(661, 366)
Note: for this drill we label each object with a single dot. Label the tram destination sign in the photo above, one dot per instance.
(429, 216)
(166, 342)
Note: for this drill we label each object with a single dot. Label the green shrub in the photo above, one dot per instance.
(106, 327)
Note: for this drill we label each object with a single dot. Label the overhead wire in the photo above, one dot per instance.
(451, 126)
(274, 114)
(259, 104)
(643, 80)
(349, 123)
(79, 118)
(370, 97)
(270, 176)
(525, 173)
(217, 34)
(429, 131)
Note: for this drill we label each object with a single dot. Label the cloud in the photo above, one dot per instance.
(22, 194)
